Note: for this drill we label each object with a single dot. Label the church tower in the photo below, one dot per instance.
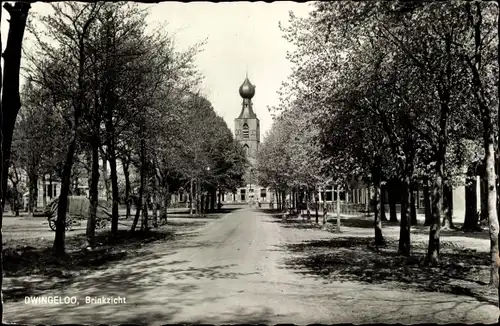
(247, 133)
(246, 126)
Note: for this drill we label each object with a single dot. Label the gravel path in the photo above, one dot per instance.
(231, 270)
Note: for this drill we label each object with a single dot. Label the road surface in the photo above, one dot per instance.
(231, 270)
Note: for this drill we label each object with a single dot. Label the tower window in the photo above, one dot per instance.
(246, 148)
(245, 131)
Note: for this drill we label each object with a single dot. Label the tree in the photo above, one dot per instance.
(61, 69)
(10, 102)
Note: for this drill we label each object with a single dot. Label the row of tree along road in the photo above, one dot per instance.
(394, 92)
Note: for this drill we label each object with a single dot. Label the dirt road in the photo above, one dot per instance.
(231, 271)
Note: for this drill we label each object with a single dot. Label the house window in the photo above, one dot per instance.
(245, 131)
(263, 193)
(328, 194)
(242, 194)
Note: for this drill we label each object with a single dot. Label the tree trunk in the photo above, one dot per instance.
(44, 193)
(338, 209)
(213, 198)
(126, 174)
(111, 150)
(2, 197)
(471, 220)
(308, 207)
(325, 210)
(51, 186)
(208, 205)
(492, 206)
(114, 191)
(191, 197)
(437, 205)
(59, 241)
(15, 194)
(316, 207)
(377, 222)
(383, 216)
(404, 230)
(198, 196)
(141, 187)
(156, 204)
(202, 204)
(208, 200)
(413, 208)
(447, 207)
(375, 202)
(392, 201)
(219, 205)
(94, 195)
(11, 101)
(33, 192)
(164, 212)
(145, 213)
(498, 109)
(427, 203)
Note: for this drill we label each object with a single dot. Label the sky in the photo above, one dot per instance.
(241, 37)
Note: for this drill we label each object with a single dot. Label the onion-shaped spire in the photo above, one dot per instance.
(247, 90)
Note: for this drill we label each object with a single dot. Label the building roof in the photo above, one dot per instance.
(247, 111)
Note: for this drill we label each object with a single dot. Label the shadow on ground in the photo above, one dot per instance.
(37, 257)
(33, 257)
(151, 297)
(460, 272)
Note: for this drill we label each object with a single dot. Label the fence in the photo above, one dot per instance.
(345, 208)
